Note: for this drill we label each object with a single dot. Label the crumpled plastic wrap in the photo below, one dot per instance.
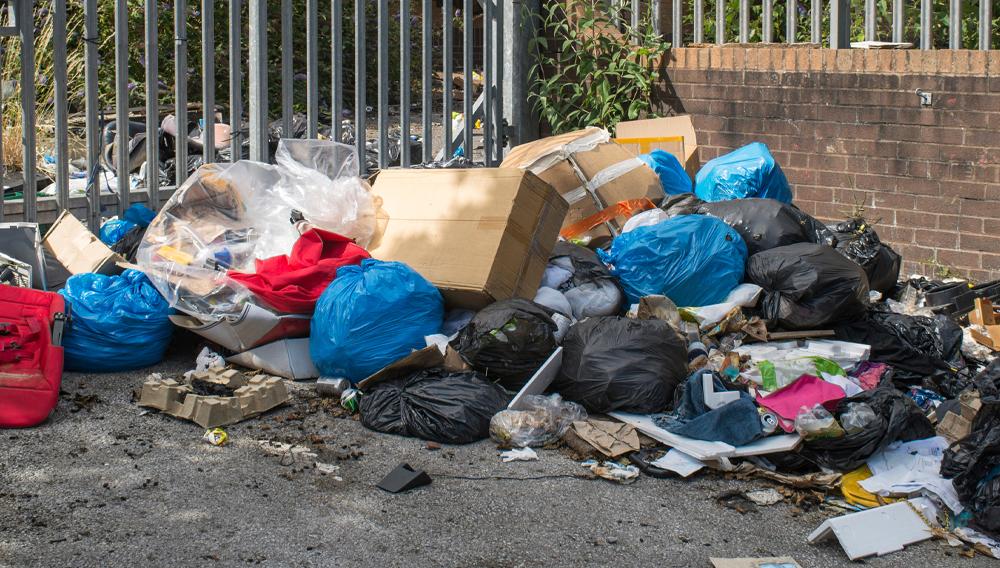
(226, 216)
(545, 421)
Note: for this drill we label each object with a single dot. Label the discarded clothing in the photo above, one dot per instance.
(805, 391)
(737, 423)
(292, 284)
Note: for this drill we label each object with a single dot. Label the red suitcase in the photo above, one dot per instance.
(31, 357)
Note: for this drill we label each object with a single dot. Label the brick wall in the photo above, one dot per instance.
(848, 129)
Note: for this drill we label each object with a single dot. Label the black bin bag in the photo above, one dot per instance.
(897, 417)
(614, 363)
(508, 341)
(765, 224)
(808, 286)
(434, 404)
(858, 241)
(973, 465)
(919, 348)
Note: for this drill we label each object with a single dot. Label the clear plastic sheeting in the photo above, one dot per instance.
(227, 216)
(542, 421)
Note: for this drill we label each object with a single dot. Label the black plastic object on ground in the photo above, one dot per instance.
(681, 204)
(897, 417)
(917, 347)
(508, 341)
(615, 363)
(765, 224)
(973, 465)
(433, 404)
(858, 241)
(808, 286)
(404, 478)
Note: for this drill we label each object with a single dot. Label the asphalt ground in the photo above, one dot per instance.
(105, 484)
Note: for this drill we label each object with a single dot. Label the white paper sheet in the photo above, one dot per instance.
(679, 463)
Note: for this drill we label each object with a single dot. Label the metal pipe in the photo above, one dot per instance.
(90, 108)
(258, 81)
(208, 79)
(360, 85)
(312, 68)
(467, 86)
(383, 83)
(404, 83)
(235, 80)
(427, 82)
(152, 108)
(59, 71)
(447, 73)
(121, 104)
(180, 90)
(286, 68)
(337, 68)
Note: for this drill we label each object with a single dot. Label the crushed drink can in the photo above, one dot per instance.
(349, 400)
(331, 386)
(216, 437)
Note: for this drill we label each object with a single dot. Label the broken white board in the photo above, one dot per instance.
(679, 463)
(877, 531)
(540, 381)
(288, 358)
(703, 450)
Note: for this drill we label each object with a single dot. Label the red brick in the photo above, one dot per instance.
(949, 222)
(896, 234)
(926, 237)
(959, 259)
(917, 219)
(983, 243)
(963, 189)
(918, 186)
(915, 252)
(813, 193)
(977, 208)
(894, 200)
(968, 224)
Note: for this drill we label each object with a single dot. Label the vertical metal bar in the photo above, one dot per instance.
(840, 24)
(634, 21)
(312, 68)
(180, 89)
(90, 107)
(870, 34)
(337, 70)
(467, 84)
(955, 24)
(498, 74)
(677, 21)
(898, 19)
(235, 80)
(427, 82)
(926, 15)
(152, 108)
(720, 21)
(208, 79)
(258, 81)
(767, 21)
(59, 70)
(121, 103)
(488, 82)
(699, 21)
(791, 20)
(985, 23)
(286, 69)
(654, 15)
(27, 29)
(360, 85)
(816, 12)
(404, 83)
(447, 74)
(383, 83)
(744, 21)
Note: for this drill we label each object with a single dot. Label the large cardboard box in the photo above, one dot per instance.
(590, 172)
(479, 235)
(76, 250)
(673, 134)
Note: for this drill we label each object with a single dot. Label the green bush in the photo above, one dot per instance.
(586, 74)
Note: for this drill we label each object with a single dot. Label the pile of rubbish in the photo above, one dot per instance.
(610, 296)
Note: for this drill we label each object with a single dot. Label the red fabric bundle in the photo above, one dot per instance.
(292, 284)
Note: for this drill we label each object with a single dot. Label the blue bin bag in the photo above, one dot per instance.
(112, 231)
(749, 171)
(117, 323)
(695, 260)
(372, 315)
(672, 176)
(140, 215)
